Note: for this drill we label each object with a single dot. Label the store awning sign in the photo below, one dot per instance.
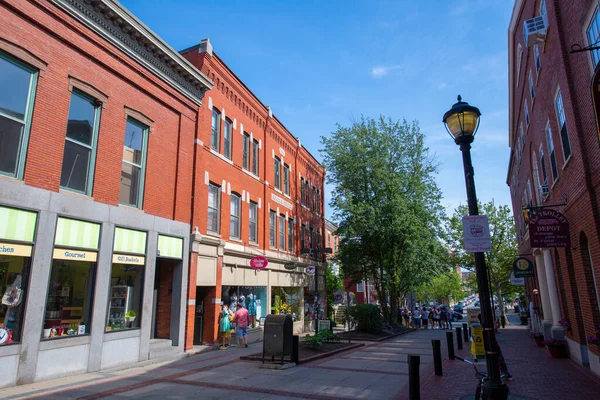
(523, 268)
(259, 262)
(476, 234)
(290, 266)
(549, 228)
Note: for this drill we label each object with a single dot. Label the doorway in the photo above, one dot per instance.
(163, 299)
(199, 315)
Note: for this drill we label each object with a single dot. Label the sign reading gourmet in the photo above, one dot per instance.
(259, 262)
(549, 228)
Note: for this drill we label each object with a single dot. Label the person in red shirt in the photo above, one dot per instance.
(241, 319)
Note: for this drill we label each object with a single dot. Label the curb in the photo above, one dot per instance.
(311, 358)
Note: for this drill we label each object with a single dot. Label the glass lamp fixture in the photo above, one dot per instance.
(462, 120)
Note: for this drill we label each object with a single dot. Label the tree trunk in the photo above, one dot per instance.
(501, 303)
(383, 297)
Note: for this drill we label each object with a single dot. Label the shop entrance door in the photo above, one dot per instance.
(199, 315)
(163, 299)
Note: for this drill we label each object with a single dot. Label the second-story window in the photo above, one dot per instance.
(80, 146)
(543, 166)
(531, 87)
(314, 199)
(246, 152)
(227, 138)
(551, 153)
(328, 240)
(272, 229)
(538, 62)
(286, 179)
(282, 232)
(290, 235)
(214, 208)
(255, 157)
(215, 139)
(526, 108)
(134, 163)
(17, 91)
(303, 237)
(253, 214)
(277, 173)
(593, 35)
(562, 124)
(234, 216)
(537, 180)
(310, 238)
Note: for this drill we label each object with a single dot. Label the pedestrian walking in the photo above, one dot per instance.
(406, 317)
(417, 318)
(444, 318)
(436, 318)
(241, 319)
(425, 317)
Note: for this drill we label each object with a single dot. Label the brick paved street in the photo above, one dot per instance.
(375, 371)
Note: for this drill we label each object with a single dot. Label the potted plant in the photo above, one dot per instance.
(594, 339)
(130, 316)
(557, 348)
(523, 317)
(539, 339)
(565, 324)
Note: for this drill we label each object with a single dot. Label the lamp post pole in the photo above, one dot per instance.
(493, 388)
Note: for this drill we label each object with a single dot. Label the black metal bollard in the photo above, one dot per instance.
(414, 384)
(437, 356)
(450, 343)
(465, 333)
(459, 338)
(295, 352)
(470, 334)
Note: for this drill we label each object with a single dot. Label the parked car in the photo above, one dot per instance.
(458, 308)
(456, 316)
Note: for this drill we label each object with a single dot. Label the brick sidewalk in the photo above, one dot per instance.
(536, 374)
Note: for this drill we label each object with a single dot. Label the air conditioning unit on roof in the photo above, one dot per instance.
(534, 30)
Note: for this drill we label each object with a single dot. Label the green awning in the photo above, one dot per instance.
(169, 246)
(17, 224)
(130, 241)
(76, 233)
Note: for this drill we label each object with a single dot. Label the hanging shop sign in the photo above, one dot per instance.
(549, 228)
(74, 255)
(11, 249)
(310, 270)
(523, 268)
(516, 281)
(290, 265)
(259, 262)
(476, 234)
(128, 259)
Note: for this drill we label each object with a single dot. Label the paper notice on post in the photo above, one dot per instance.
(476, 234)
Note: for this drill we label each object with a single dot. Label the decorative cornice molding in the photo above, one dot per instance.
(116, 24)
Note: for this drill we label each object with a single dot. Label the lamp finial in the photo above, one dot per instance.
(459, 98)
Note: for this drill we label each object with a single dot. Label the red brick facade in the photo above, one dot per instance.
(572, 76)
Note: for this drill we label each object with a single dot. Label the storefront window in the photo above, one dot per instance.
(70, 297)
(125, 297)
(287, 300)
(253, 298)
(14, 276)
(311, 305)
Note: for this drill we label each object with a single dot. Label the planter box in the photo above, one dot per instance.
(539, 340)
(560, 351)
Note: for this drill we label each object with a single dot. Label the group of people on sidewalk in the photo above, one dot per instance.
(441, 318)
(240, 319)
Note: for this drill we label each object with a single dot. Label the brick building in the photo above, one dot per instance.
(555, 161)
(257, 192)
(98, 118)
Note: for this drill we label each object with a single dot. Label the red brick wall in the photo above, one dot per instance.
(579, 179)
(165, 299)
(70, 49)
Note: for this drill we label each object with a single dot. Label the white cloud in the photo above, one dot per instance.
(382, 70)
(442, 85)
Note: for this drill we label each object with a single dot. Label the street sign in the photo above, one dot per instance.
(549, 228)
(523, 268)
(516, 281)
(259, 262)
(477, 347)
(290, 265)
(476, 234)
(472, 315)
(310, 270)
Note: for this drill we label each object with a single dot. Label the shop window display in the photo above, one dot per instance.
(69, 302)
(311, 305)
(253, 298)
(14, 275)
(288, 300)
(125, 297)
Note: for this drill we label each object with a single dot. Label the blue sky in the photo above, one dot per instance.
(318, 63)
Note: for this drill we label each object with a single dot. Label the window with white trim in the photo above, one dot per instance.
(272, 228)
(234, 216)
(290, 235)
(214, 207)
(303, 237)
(551, 152)
(519, 62)
(526, 108)
(133, 168)
(531, 87)
(286, 179)
(277, 173)
(80, 144)
(215, 140)
(593, 35)
(253, 214)
(562, 124)
(543, 10)
(282, 232)
(18, 82)
(538, 62)
(255, 157)
(537, 180)
(227, 138)
(246, 152)
(543, 166)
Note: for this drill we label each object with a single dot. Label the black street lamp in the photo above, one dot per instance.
(315, 252)
(461, 122)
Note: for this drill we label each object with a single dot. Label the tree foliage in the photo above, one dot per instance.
(388, 204)
(333, 284)
(504, 246)
(441, 288)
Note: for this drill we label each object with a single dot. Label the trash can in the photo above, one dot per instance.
(278, 337)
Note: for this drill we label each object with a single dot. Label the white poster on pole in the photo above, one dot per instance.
(476, 234)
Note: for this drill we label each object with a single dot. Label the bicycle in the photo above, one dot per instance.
(482, 376)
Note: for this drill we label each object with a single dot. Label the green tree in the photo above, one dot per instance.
(441, 288)
(333, 284)
(388, 202)
(504, 247)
